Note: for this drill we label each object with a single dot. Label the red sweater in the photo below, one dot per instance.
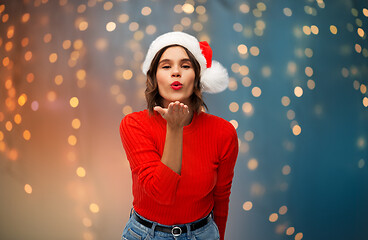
(210, 149)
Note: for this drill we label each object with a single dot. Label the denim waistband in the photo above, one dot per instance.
(132, 211)
(152, 231)
(207, 230)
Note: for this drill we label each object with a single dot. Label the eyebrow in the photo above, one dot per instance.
(169, 60)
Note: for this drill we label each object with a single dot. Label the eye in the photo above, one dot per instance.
(186, 66)
(166, 67)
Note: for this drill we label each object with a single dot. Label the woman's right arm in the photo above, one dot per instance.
(155, 173)
(176, 115)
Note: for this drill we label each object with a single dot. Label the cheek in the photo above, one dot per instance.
(160, 80)
(192, 80)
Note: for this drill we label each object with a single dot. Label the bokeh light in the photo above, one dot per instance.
(72, 140)
(81, 172)
(74, 102)
(247, 206)
(110, 26)
(27, 135)
(290, 231)
(252, 164)
(188, 8)
(297, 130)
(298, 91)
(94, 208)
(273, 217)
(28, 188)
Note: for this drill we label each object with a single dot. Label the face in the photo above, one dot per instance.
(175, 76)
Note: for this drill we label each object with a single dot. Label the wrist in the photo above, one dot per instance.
(174, 128)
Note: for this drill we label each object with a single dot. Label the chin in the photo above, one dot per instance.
(180, 99)
(174, 98)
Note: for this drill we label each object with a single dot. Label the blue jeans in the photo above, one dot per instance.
(136, 231)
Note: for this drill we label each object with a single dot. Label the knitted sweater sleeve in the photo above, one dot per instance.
(225, 173)
(158, 181)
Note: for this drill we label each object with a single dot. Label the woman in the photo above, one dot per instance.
(182, 159)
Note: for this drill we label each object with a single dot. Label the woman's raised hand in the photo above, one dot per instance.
(176, 114)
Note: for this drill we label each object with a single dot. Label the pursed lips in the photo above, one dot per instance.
(176, 85)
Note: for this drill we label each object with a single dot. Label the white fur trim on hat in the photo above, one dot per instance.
(214, 79)
(180, 38)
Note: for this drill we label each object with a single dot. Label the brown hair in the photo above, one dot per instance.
(152, 94)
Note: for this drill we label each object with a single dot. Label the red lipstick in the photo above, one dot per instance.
(176, 85)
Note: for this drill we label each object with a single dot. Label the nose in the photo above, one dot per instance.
(175, 71)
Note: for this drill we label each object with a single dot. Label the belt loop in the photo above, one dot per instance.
(189, 232)
(131, 210)
(152, 231)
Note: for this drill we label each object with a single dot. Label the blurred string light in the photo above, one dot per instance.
(256, 91)
(358, 85)
(14, 115)
(352, 71)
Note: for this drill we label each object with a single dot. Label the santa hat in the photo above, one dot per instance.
(214, 77)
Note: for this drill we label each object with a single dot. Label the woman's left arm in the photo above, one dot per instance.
(228, 154)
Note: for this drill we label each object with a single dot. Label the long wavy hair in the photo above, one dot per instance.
(152, 94)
